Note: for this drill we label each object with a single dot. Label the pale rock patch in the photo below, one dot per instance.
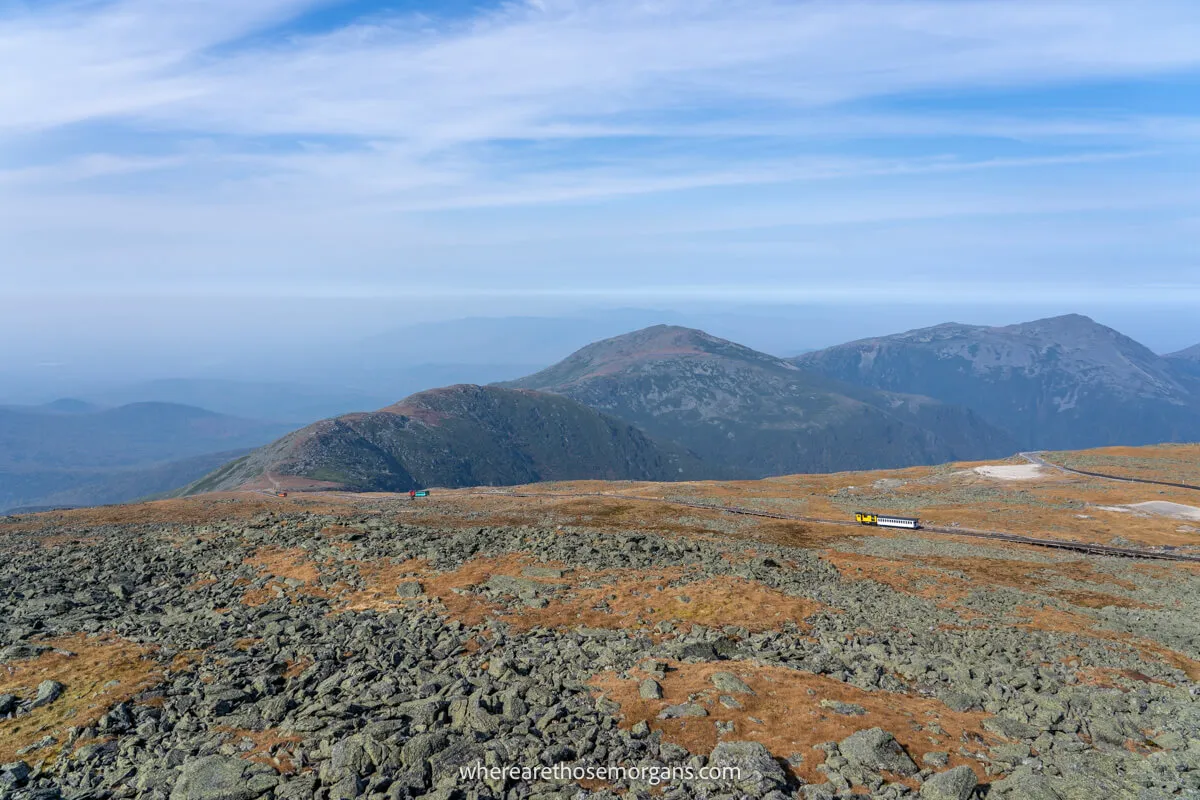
(1163, 508)
(1011, 472)
(1157, 508)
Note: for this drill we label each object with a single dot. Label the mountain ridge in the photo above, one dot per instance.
(669, 402)
(462, 435)
(754, 412)
(1059, 382)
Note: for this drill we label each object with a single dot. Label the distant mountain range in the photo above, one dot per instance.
(300, 403)
(38, 490)
(1060, 383)
(669, 402)
(294, 403)
(71, 453)
(709, 408)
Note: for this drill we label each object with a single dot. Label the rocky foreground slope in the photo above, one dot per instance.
(337, 647)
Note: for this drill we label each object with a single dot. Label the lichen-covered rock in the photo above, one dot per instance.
(728, 682)
(953, 784)
(683, 710)
(409, 589)
(878, 750)
(223, 778)
(47, 692)
(845, 709)
(758, 771)
(1025, 784)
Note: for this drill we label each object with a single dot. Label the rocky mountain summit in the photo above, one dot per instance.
(462, 435)
(1061, 382)
(338, 647)
(757, 414)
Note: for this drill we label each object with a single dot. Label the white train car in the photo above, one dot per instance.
(884, 521)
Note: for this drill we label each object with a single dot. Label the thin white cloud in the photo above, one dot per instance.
(525, 69)
(337, 140)
(516, 73)
(83, 60)
(84, 168)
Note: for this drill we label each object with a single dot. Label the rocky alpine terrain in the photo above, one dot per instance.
(341, 646)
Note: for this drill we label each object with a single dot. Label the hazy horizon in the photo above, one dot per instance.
(252, 190)
(333, 344)
(182, 180)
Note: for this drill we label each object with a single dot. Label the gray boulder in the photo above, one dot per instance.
(357, 756)
(959, 700)
(409, 589)
(543, 572)
(420, 748)
(223, 778)
(47, 693)
(730, 683)
(1025, 784)
(444, 765)
(758, 771)
(953, 784)
(297, 787)
(22, 650)
(683, 710)
(845, 709)
(350, 787)
(12, 776)
(877, 749)
(1011, 728)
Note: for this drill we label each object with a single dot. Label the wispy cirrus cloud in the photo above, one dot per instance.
(222, 115)
(520, 67)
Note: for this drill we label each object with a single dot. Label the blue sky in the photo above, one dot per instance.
(618, 151)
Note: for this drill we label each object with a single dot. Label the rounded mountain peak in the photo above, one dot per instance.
(655, 344)
(657, 340)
